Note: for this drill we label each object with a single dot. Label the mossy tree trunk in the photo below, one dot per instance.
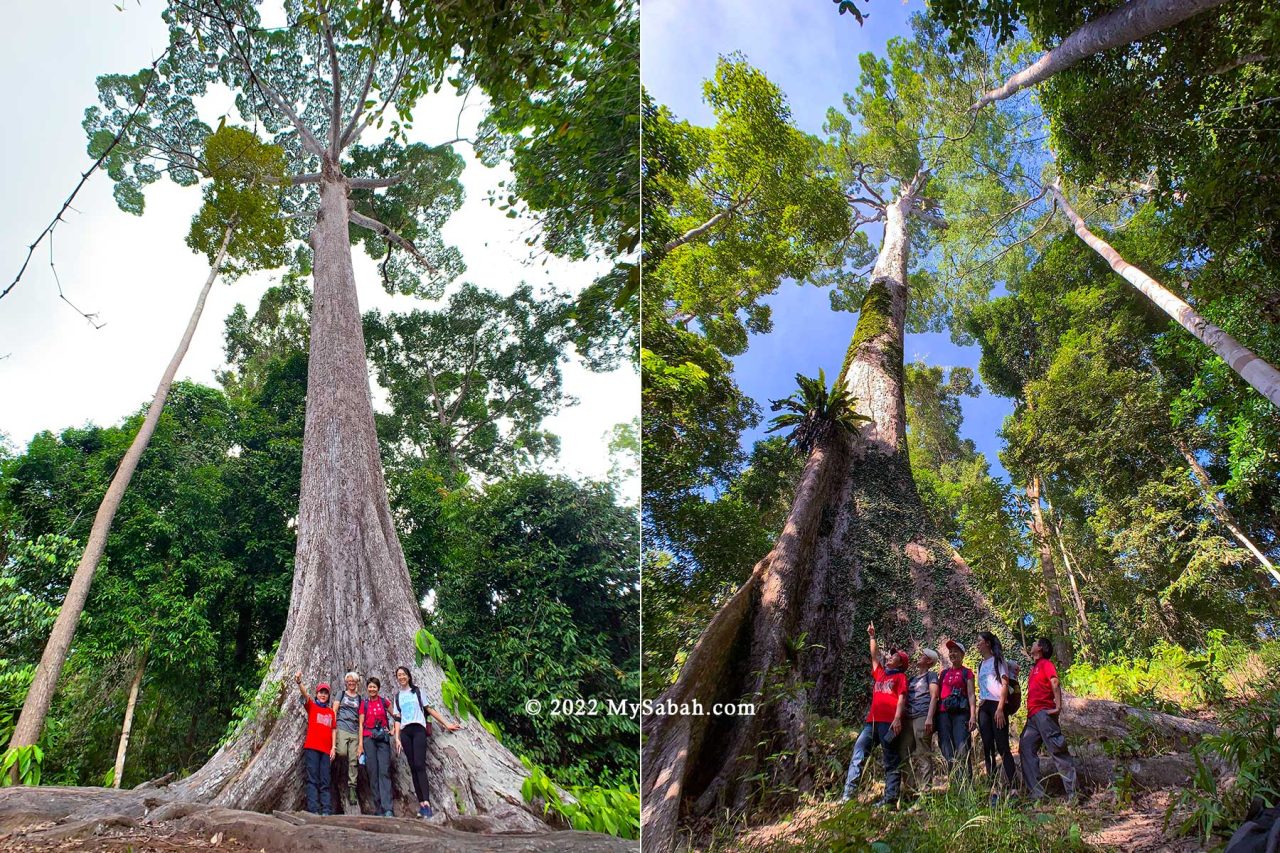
(856, 547)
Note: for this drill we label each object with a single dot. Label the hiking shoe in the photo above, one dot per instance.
(993, 801)
(425, 811)
(388, 814)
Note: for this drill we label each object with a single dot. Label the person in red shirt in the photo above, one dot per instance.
(379, 734)
(1044, 702)
(317, 749)
(884, 723)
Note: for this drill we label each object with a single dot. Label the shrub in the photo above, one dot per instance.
(1249, 745)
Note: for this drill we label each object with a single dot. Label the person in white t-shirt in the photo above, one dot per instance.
(994, 675)
(411, 712)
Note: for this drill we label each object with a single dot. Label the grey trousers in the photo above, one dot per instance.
(916, 753)
(377, 761)
(1042, 728)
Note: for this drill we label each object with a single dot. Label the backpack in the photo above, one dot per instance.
(421, 704)
(1013, 700)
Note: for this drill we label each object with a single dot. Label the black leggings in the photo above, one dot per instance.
(995, 740)
(413, 740)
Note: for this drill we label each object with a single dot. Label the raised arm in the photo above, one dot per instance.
(302, 688)
(875, 651)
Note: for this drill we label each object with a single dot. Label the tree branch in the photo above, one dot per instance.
(335, 112)
(351, 136)
(309, 141)
(359, 110)
(931, 218)
(374, 183)
(1134, 20)
(390, 236)
(698, 230)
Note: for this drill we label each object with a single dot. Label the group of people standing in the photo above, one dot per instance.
(909, 708)
(365, 730)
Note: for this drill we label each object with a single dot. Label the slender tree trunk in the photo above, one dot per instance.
(1090, 650)
(1052, 592)
(45, 683)
(1221, 511)
(856, 546)
(352, 606)
(1135, 20)
(1264, 378)
(123, 749)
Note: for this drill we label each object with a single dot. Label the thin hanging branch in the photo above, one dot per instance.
(66, 205)
(57, 280)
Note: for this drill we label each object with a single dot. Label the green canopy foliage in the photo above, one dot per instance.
(471, 383)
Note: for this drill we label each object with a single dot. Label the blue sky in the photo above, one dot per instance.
(811, 52)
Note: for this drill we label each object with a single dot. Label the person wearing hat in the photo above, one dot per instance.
(317, 749)
(916, 743)
(957, 710)
(884, 723)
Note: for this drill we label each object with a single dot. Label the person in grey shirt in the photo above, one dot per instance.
(916, 743)
(346, 741)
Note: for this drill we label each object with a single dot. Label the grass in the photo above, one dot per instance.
(942, 822)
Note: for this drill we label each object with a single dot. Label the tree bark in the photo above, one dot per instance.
(1052, 592)
(856, 546)
(1221, 511)
(352, 605)
(45, 683)
(1135, 20)
(123, 749)
(1264, 378)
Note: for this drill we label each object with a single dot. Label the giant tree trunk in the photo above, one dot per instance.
(1135, 20)
(1264, 378)
(1221, 511)
(1048, 571)
(45, 683)
(855, 547)
(123, 749)
(352, 606)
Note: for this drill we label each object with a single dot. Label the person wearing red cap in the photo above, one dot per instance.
(317, 749)
(884, 723)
